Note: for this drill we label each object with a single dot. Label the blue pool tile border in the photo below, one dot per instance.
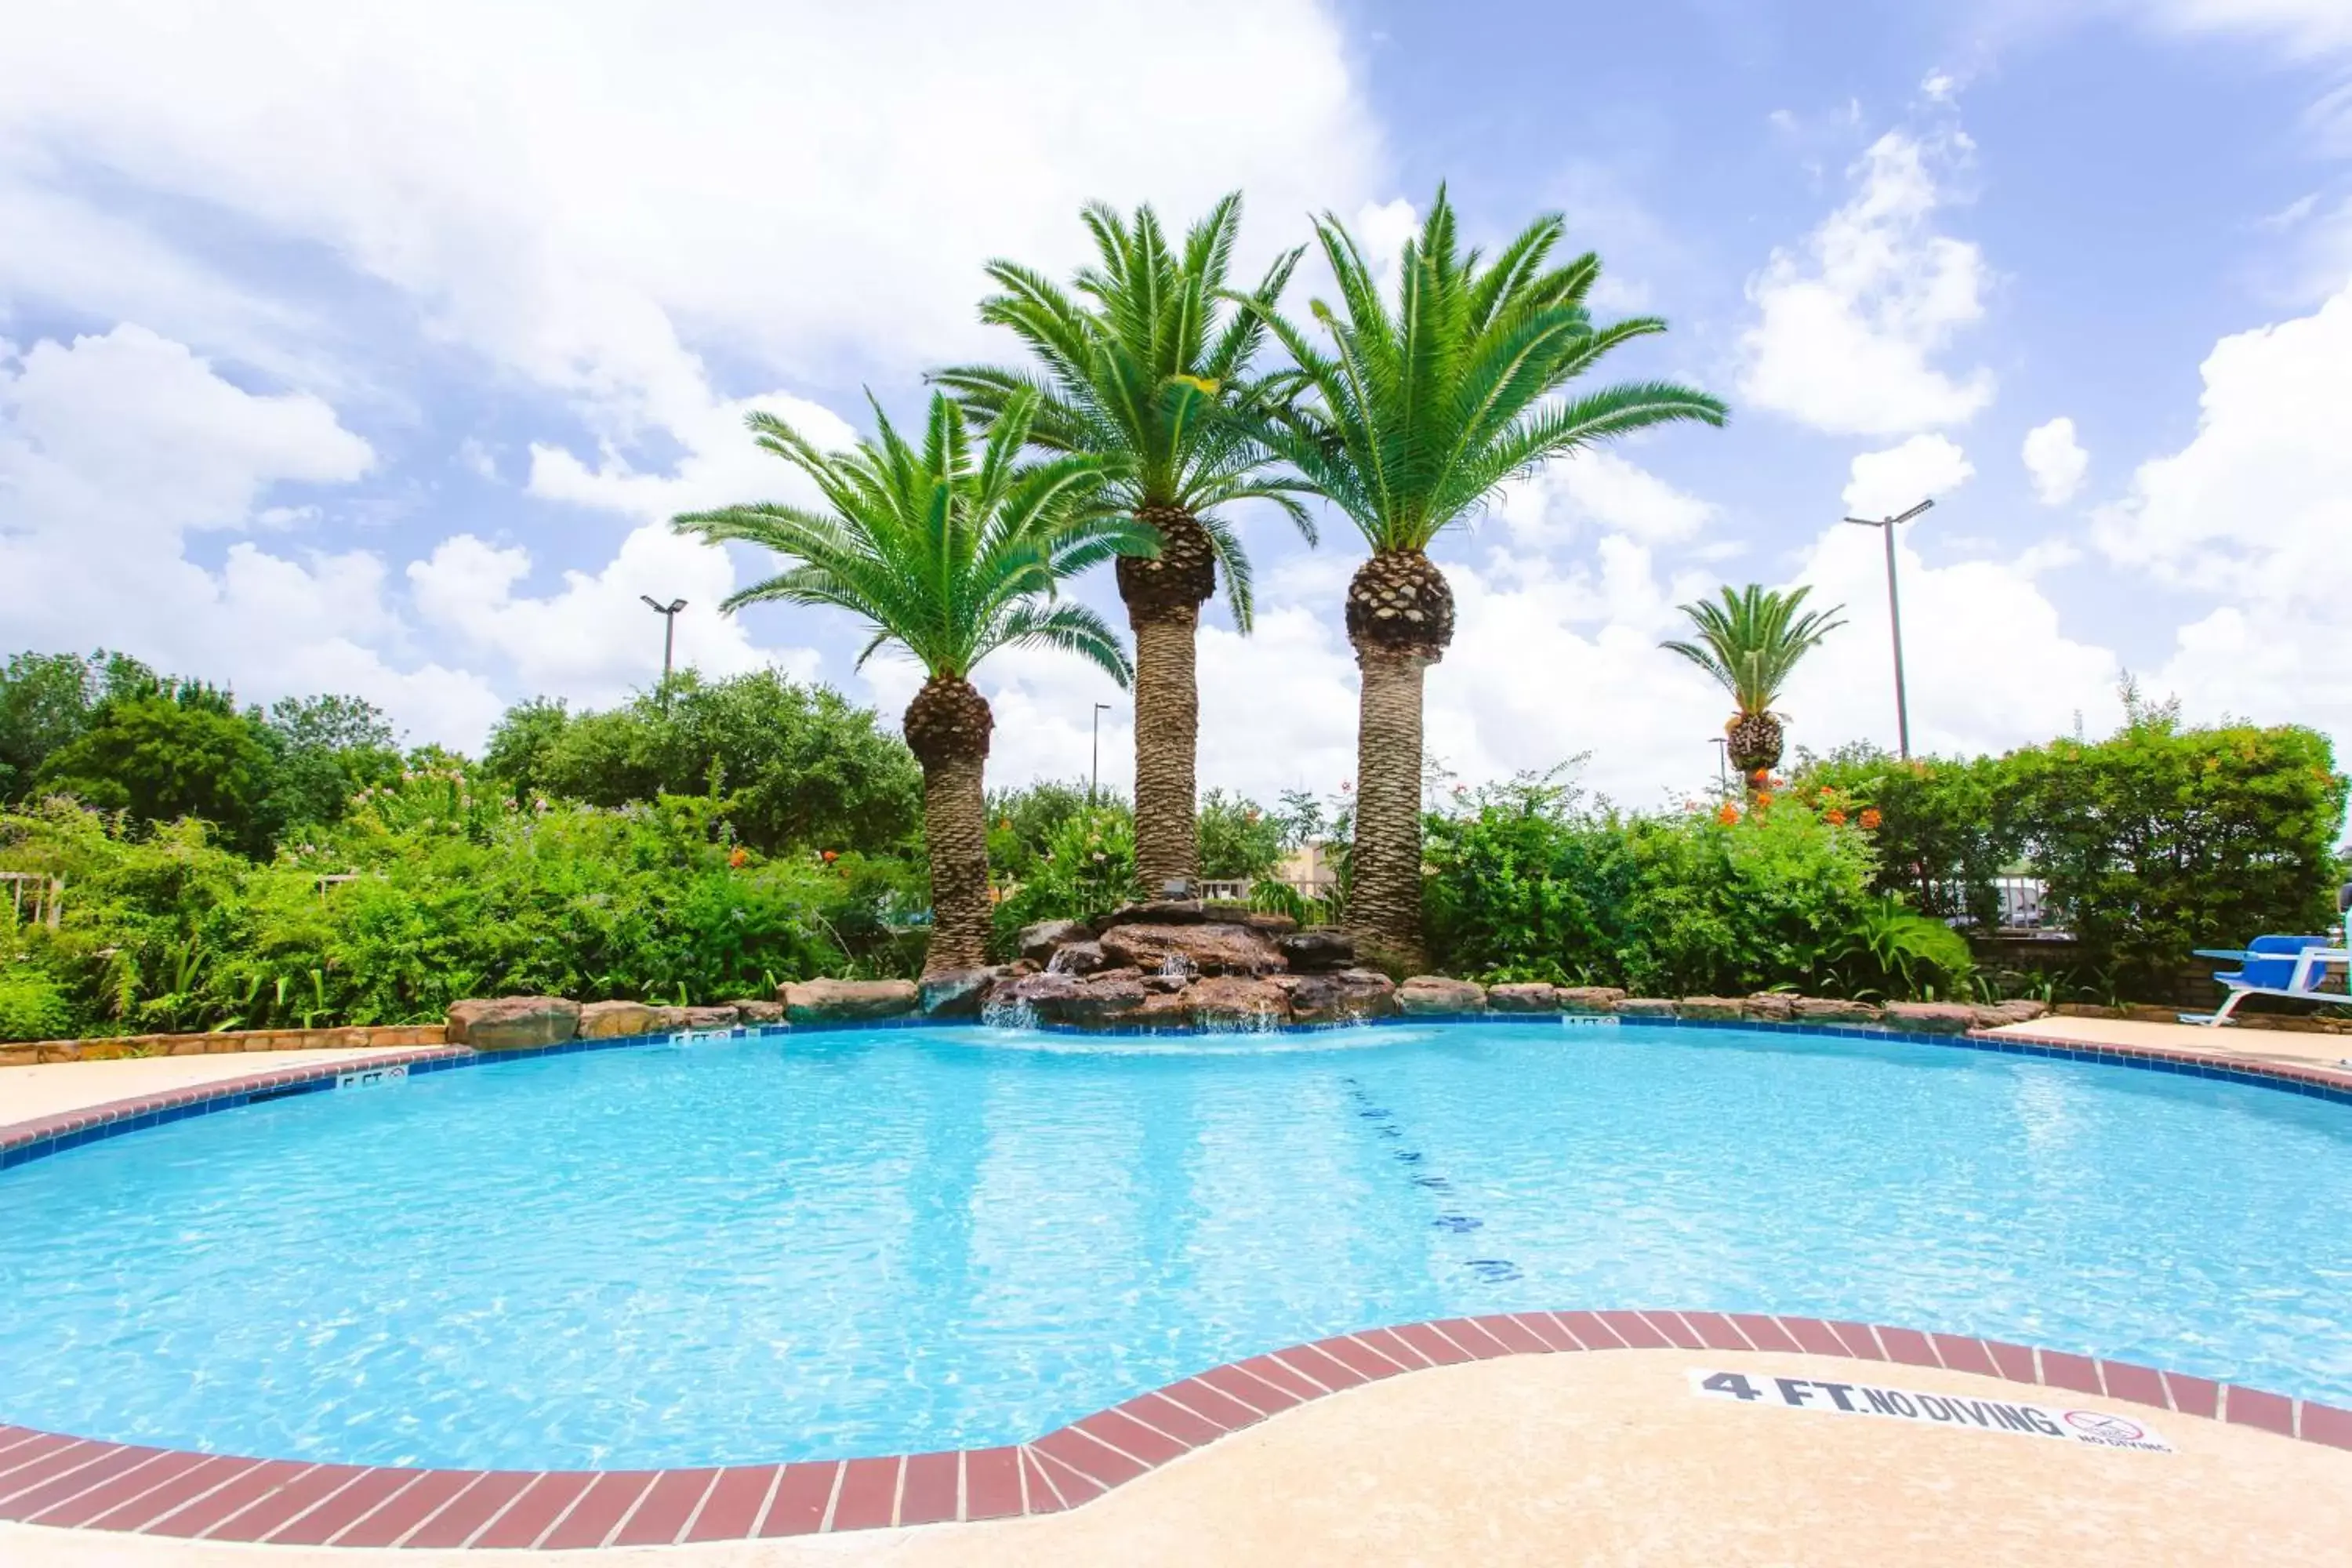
(103, 1121)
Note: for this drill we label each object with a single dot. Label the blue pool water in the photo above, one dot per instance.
(896, 1241)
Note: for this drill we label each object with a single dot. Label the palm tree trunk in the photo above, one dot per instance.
(1384, 888)
(947, 727)
(1167, 737)
(1163, 595)
(955, 828)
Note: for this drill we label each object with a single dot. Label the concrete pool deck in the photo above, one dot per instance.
(1603, 1456)
(1593, 1458)
(29, 1093)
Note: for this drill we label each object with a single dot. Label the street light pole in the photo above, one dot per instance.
(669, 613)
(1094, 773)
(1723, 762)
(1885, 525)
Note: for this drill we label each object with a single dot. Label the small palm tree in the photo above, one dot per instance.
(1410, 423)
(1139, 370)
(952, 553)
(1751, 644)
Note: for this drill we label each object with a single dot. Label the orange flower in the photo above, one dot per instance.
(739, 857)
(830, 856)
(1870, 817)
(1763, 798)
(1728, 814)
(1834, 818)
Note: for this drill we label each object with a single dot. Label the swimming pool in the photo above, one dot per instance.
(880, 1242)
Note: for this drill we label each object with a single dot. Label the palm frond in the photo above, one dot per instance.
(1143, 363)
(1752, 640)
(1406, 415)
(937, 548)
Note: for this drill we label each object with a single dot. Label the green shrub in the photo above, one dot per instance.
(1527, 885)
(32, 1005)
(799, 766)
(1240, 840)
(2158, 839)
(1086, 870)
(441, 890)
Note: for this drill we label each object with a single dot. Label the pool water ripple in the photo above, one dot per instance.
(917, 1239)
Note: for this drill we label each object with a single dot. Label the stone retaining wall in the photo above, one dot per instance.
(26, 1053)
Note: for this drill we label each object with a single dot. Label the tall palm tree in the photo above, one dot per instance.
(1411, 423)
(1751, 644)
(952, 553)
(1139, 364)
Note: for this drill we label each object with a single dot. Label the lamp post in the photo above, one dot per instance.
(669, 613)
(1723, 762)
(1885, 525)
(1094, 773)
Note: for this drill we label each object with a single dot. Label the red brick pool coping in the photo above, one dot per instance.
(52, 1479)
(76, 1483)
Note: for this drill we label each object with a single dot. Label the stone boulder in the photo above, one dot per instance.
(612, 1020)
(1645, 1007)
(711, 1017)
(1338, 998)
(1038, 941)
(1207, 949)
(1832, 1010)
(1236, 999)
(1707, 1007)
(1769, 1007)
(955, 993)
(1323, 949)
(2020, 1011)
(755, 1010)
(1270, 923)
(848, 1001)
(1590, 998)
(513, 1023)
(1523, 996)
(1079, 958)
(1425, 995)
(1089, 1000)
(1157, 912)
(1931, 1018)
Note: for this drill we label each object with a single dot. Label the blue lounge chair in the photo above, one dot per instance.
(2295, 967)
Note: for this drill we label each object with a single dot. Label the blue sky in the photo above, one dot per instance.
(367, 351)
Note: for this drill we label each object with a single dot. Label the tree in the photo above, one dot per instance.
(325, 749)
(950, 553)
(161, 758)
(47, 699)
(1143, 373)
(1410, 423)
(1751, 644)
(794, 766)
(521, 743)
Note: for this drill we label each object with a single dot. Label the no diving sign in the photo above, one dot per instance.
(2098, 1428)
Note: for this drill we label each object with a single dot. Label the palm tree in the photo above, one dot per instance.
(1751, 644)
(952, 553)
(1410, 423)
(1140, 368)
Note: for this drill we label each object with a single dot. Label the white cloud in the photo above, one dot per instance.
(1986, 662)
(721, 465)
(2055, 461)
(1600, 489)
(2307, 26)
(1925, 468)
(768, 176)
(114, 450)
(2257, 512)
(1849, 325)
(664, 206)
(594, 640)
